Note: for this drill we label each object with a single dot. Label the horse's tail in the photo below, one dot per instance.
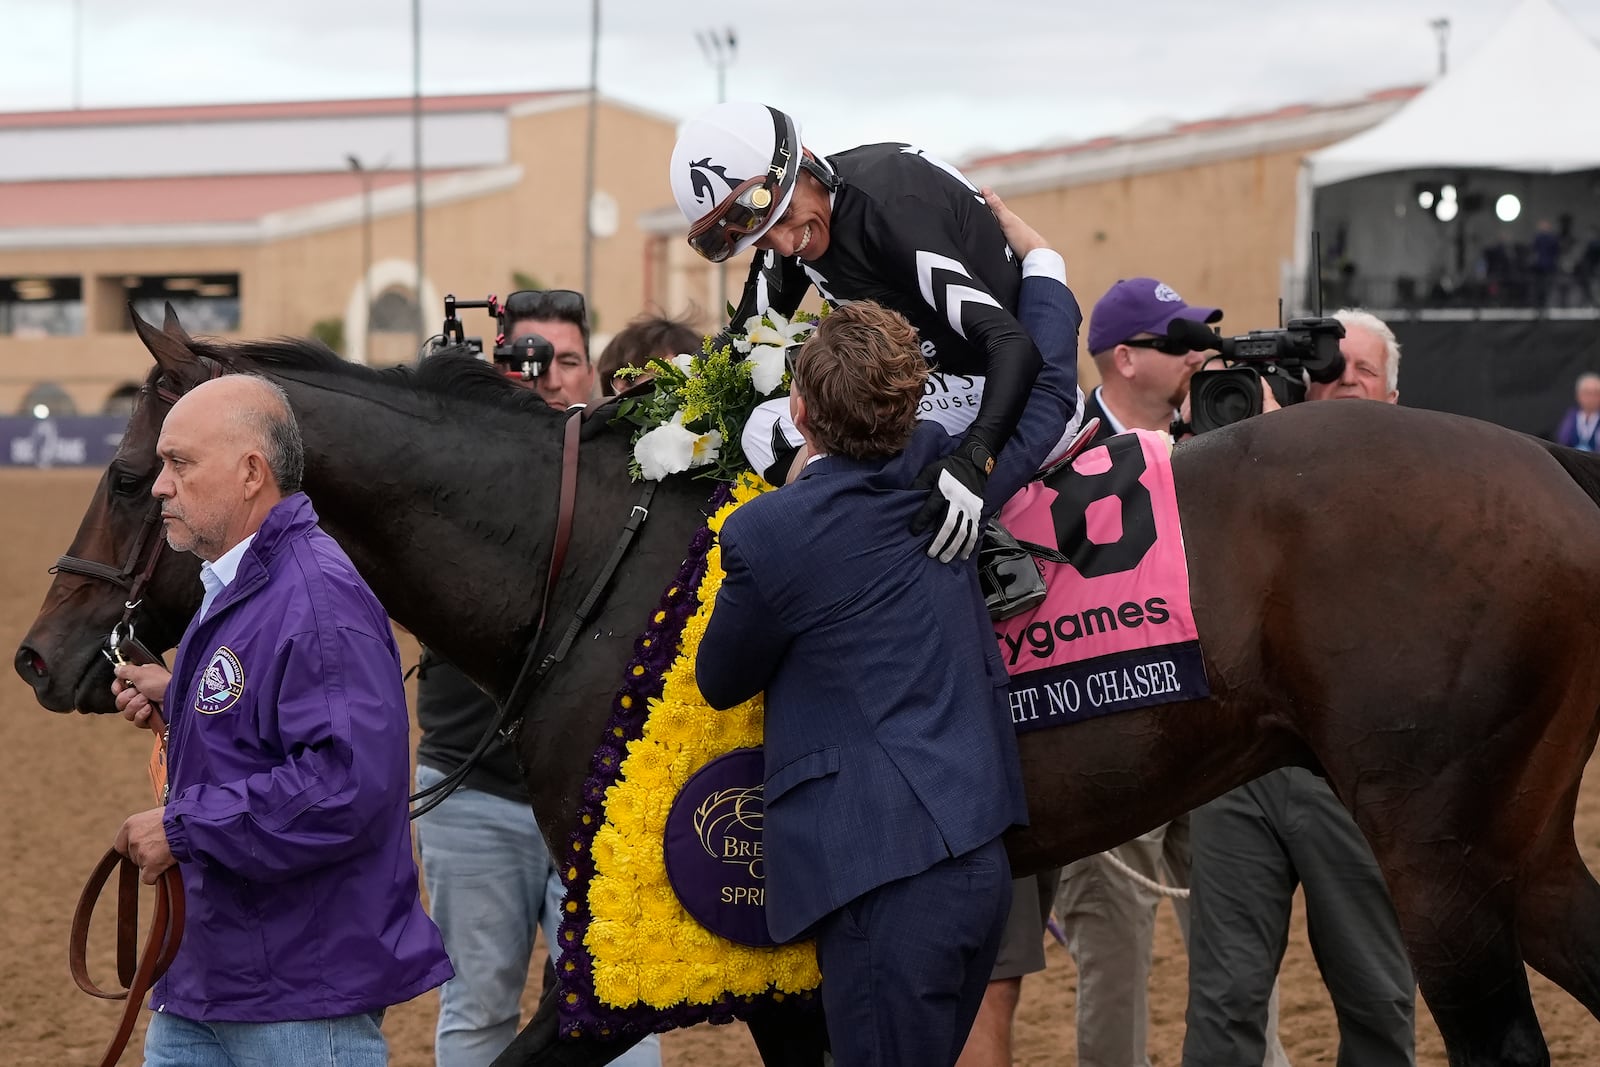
(1583, 467)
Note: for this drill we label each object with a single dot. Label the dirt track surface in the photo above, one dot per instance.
(70, 780)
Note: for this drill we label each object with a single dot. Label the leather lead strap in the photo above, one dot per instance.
(166, 933)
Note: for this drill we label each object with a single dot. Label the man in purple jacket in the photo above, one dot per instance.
(288, 764)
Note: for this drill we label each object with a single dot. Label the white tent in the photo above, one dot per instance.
(1528, 100)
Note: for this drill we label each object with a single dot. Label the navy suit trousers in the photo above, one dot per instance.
(904, 966)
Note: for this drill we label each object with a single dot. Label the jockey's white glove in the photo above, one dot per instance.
(955, 500)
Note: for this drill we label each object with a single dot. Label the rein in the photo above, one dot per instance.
(530, 676)
(137, 972)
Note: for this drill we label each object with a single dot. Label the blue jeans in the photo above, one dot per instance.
(348, 1041)
(491, 884)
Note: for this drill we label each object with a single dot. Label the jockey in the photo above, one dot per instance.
(883, 222)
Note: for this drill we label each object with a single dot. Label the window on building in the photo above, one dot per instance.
(394, 311)
(41, 307)
(121, 401)
(47, 400)
(205, 303)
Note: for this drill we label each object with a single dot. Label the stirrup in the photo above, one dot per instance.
(1010, 578)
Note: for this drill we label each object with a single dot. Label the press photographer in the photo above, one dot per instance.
(542, 338)
(1253, 846)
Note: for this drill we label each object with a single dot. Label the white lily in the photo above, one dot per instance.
(780, 332)
(684, 362)
(766, 368)
(672, 448)
(707, 447)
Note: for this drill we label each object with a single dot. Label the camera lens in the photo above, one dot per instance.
(1223, 397)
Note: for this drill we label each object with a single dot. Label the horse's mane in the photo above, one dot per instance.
(452, 372)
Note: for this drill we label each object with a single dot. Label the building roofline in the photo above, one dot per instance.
(1186, 144)
(273, 226)
(285, 109)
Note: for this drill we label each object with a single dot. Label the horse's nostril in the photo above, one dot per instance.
(30, 660)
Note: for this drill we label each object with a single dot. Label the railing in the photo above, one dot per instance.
(1513, 294)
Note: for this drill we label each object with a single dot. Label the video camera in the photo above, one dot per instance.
(1282, 358)
(527, 357)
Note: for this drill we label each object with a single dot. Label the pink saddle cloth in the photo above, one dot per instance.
(1116, 631)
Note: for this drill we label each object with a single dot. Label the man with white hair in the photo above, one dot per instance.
(1252, 846)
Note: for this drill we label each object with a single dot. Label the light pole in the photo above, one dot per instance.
(77, 54)
(720, 47)
(1441, 29)
(416, 154)
(366, 252)
(589, 151)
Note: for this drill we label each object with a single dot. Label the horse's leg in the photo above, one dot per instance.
(789, 1034)
(538, 1045)
(1558, 925)
(1460, 931)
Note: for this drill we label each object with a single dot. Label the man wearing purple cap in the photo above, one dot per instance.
(1144, 374)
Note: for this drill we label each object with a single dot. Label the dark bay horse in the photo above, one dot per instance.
(1402, 600)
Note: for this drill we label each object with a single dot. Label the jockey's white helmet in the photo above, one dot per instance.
(727, 147)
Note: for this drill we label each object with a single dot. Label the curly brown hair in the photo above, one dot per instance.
(860, 374)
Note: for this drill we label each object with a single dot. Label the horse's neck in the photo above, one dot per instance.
(448, 520)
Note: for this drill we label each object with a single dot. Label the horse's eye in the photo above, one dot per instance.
(125, 484)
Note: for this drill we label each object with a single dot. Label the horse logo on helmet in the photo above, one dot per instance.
(705, 176)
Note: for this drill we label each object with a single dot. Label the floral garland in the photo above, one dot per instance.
(693, 417)
(632, 957)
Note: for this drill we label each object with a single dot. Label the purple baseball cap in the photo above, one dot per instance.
(1139, 305)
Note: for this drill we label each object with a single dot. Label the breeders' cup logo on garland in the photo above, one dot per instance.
(710, 182)
(728, 823)
(713, 849)
(222, 684)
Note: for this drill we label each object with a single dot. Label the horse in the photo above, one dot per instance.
(1400, 600)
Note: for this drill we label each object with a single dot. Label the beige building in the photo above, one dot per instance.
(1214, 208)
(251, 219)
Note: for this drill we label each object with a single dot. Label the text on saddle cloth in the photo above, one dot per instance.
(1116, 629)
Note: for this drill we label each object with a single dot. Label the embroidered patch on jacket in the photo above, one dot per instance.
(222, 684)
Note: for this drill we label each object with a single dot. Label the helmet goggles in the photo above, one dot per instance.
(749, 209)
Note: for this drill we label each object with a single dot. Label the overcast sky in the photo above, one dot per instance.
(955, 76)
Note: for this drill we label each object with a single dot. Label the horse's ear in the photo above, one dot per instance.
(171, 353)
(173, 327)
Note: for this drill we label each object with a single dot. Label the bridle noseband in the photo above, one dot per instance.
(140, 565)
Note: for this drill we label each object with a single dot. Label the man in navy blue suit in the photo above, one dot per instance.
(891, 765)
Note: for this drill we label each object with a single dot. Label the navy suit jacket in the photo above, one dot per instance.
(889, 743)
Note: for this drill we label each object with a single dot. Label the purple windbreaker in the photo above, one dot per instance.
(289, 767)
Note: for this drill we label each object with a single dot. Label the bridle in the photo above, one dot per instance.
(140, 564)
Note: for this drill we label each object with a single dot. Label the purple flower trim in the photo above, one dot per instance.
(654, 650)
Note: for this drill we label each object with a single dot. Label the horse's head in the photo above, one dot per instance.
(118, 572)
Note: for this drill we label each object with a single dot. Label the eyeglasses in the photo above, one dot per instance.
(789, 355)
(545, 304)
(740, 215)
(1164, 345)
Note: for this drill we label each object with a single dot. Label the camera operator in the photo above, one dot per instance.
(1252, 846)
(490, 878)
(560, 317)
